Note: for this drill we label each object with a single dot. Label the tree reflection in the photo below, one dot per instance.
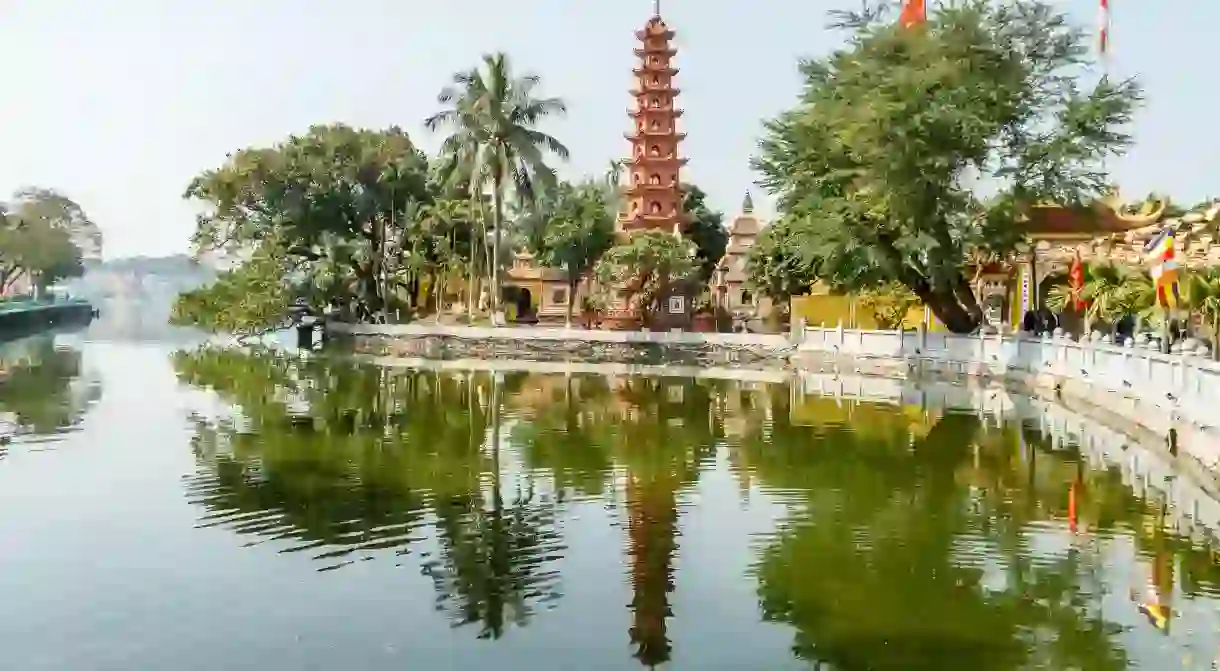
(914, 538)
(347, 460)
(662, 432)
(884, 565)
(41, 386)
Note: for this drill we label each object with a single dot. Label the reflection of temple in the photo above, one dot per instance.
(1155, 602)
(652, 528)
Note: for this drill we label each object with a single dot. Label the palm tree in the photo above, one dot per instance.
(493, 115)
(1203, 296)
(1111, 292)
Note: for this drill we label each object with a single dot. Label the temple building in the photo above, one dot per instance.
(729, 279)
(1006, 289)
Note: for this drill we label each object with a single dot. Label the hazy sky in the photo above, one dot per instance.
(119, 103)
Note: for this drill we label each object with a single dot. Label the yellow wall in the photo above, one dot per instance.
(829, 310)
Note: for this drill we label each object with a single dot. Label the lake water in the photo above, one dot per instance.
(213, 509)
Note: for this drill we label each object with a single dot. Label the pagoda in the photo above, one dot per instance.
(654, 194)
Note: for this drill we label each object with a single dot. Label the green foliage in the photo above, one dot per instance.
(778, 265)
(570, 229)
(1112, 292)
(889, 303)
(244, 301)
(336, 200)
(37, 238)
(875, 162)
(706, 229)
(645, 268)
(493, 116)
(1202, 293)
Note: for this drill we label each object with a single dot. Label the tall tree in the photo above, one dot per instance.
(331, 201)
(57, 210)
(493, 115)
(874, 162)
(645, 267)
(577, 229)
(706, 229)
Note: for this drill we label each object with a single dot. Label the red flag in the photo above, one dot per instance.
(1103, 39)
(915, 12)
(1076, 283)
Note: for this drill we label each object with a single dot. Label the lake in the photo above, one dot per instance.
(169, 507)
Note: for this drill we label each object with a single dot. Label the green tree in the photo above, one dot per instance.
(646, 268)
(32, 204)
(889, 303)
(578, 228)
(876, 160)
(42, 234)
(246, 300)
(333, 200)
(494, 141)
(777, 265)
(705, 229)
(1110, 292)
(37, 249)
(1203, 296)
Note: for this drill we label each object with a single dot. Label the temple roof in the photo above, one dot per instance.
(1106, 216)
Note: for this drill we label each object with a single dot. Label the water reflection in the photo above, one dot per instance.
(43, 390)
(910, 537)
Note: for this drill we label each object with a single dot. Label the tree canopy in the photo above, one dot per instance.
(908, 148)
(571, 230)
(41, 237)
(706, 230)
(330, 205)
(492, 115)
(645, 268)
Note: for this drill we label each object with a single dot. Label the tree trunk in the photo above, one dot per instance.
(440, 297)
(470, 287)
(571, 299)
(1216, 336)
(948, 308)
(497, 220)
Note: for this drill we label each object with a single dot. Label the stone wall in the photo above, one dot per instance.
(576, 345)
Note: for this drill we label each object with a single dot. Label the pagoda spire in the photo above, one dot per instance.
(656, 7)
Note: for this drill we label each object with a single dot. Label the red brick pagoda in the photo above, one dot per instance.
(653, 193)
(654, 196)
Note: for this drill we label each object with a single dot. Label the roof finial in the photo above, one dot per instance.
(656, 7)
(747, 205)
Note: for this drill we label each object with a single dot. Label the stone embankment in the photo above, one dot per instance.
(569, 345)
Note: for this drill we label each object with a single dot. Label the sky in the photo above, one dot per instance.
(120, 103)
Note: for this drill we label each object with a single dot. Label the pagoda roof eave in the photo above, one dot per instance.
(648, 33)
(1052, 221)
(633, 113)
(667, 50)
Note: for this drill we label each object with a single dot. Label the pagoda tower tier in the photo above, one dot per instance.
(654, 193)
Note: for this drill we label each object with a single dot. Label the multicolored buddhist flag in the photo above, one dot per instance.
(1103, 37)
(915, 12)
(1163, 267)
(1076, 284)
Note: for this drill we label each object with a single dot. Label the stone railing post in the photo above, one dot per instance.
(799, 331)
